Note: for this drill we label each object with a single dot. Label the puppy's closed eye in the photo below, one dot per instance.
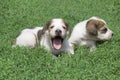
(64, 27)
(51, 27)
(104, 30)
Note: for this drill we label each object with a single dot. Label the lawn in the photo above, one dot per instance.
(38, 64)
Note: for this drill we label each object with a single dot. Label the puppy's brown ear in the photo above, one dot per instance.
(67, 27)
(92, 27)
(46, 26)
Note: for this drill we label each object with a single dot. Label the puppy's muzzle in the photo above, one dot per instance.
(58, 32)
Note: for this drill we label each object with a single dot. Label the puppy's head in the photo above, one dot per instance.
(57, 30)
(97, 27)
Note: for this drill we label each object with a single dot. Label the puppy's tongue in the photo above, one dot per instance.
(57, 43)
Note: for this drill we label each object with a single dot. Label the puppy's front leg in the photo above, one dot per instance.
(91, 45)
(71, 49)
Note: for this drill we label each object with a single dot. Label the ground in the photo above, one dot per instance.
(38, 64)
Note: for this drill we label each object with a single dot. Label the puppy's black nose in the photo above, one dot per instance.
(58, 32)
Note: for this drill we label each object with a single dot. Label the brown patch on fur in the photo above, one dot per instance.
(46, 26)
(93, 26)
(39, 34)
(67, 26)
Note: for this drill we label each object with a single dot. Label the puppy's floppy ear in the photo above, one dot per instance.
(67, 27)
(46, 26)
(92, 27)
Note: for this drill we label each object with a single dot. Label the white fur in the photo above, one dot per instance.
(28, 38)
(79, 35)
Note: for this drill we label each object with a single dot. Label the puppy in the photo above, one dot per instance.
(89, 31)
(54, 36)
(28, 38)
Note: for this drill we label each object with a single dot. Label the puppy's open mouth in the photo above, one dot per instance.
(57, 42)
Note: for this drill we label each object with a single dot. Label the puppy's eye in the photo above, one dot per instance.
(104, 30)
(64, 27)
(51, 27)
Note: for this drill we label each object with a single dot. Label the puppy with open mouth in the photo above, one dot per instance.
(53, 36)
(89, 31)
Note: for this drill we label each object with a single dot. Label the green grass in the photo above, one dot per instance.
(37, 64)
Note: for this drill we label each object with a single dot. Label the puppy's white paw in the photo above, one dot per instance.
(92, 49)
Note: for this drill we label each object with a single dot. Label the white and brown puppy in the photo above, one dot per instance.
(54, 36)
(89, 31)
(27, 38)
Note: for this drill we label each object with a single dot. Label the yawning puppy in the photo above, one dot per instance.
(89, 31)
(28, 38)
(54, 36)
